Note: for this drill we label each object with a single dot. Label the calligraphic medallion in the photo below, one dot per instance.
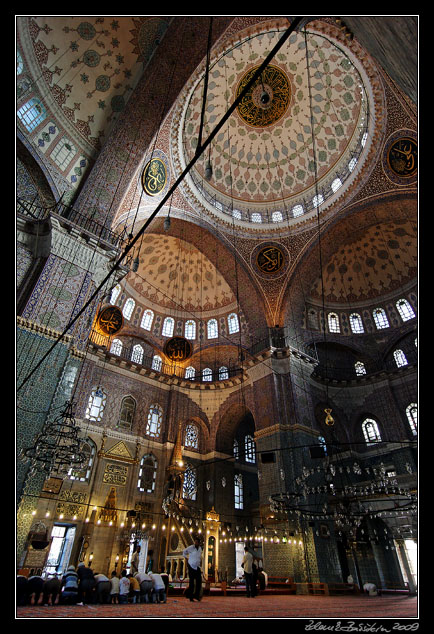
(270, 259)
(253, 108)
(178, 349)
(110, 320)
(402, 157)
(154, 177)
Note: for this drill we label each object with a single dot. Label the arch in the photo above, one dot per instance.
(236, 418)
(342, 230)
(43, 182)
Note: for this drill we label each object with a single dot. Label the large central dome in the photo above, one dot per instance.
(263, 157)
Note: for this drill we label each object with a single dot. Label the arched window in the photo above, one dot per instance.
(189, 487)
(212, 329)
(207, 374)
(249, 449)
(223, 373)
(322, 443)
(82, 474)
(128, 308)
(191, 437)
(380, 318)
(238, 491)
(405, 309)
(96, 404)
(333, 321)
(236, 213)
(147, 319)
(115, 294)
(360, 368)
(20, 64)
(190, 329)
(157, 362)
(137, 354)
(116, 347)
(371, 431)
(168, 327)
(63, 153)
(356, 323)
(126, 414)
(147, 474)
(317, 200)
(400, 358)
(336, 184)
(297, 211)
(236, 449)
(411, 412)
(277, 216)
(190, 372)
(233, 324)
(256, 217)
(352, 164)
(155, 418)
(32, 114)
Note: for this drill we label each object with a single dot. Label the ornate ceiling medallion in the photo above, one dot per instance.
(154, 177)
(110, 320)
(270, 260)
(400, 157)
(267, 100)
(178, 349)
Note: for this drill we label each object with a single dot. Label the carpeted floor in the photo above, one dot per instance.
(262, 607)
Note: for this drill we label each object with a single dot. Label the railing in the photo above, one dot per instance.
(128, 353)
(72, 217)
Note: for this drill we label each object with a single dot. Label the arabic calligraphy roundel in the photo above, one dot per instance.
(400, 157)
(110, 320)
(178, 349)
(270, 259)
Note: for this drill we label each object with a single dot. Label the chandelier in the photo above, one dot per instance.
(57, 449)
(346, 494)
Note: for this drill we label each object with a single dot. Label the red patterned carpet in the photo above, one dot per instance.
(262, 607)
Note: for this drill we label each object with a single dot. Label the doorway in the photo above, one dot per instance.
(62, 540)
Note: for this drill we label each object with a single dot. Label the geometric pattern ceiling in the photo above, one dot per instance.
(88, 66)
(264, 153)
(375, 263)
(175, 275)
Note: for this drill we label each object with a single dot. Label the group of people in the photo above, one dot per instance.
(82, 586)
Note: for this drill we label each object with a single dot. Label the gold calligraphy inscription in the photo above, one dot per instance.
(110, 320)
(274, 84)
(115, 474)
(270, 259)
(402, 157)
(178, 349)
(154, 177)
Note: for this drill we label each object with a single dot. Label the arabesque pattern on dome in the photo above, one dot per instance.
(273, 164)
(90, 65)
(379, 261)
(175, 275)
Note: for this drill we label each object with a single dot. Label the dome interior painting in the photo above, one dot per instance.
(217, 251)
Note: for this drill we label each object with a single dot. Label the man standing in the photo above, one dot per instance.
(248, 572)
(193, 555)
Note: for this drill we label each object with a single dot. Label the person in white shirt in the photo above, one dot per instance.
(102, 588)
(124, 587)
(158, 588)
(247, 565)
(145, 582)
(114, 588)
(193, 554)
